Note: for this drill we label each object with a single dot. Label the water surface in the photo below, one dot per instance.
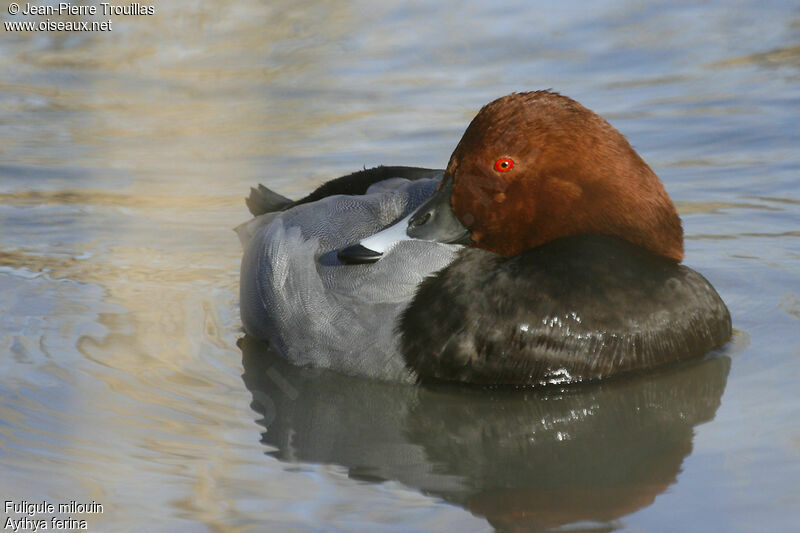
(124, 160)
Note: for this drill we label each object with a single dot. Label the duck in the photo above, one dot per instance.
(546, 252)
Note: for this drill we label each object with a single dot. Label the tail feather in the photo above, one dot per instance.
(263, 200)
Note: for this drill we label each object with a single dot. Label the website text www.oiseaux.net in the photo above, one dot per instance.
(57, 25)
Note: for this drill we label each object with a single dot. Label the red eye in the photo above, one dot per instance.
(504, 164)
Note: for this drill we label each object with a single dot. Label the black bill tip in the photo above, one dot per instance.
(357, 255)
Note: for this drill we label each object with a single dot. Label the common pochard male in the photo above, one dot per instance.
(546, 252)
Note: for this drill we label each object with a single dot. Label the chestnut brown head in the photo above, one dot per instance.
(533, 167)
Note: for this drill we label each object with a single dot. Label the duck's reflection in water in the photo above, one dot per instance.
(524, 459)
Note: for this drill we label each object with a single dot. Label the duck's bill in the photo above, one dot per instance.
(434, 220)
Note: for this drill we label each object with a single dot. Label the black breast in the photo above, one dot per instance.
(575, 309)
